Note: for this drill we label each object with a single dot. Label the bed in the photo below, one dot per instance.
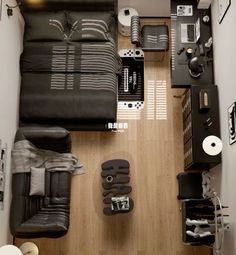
(69, 64)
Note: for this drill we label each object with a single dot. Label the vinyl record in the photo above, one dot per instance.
(212, 145)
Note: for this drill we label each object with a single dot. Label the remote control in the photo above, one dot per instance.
(131, 53)
(131, 105)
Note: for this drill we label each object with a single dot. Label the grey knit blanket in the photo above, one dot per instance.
(25, 155)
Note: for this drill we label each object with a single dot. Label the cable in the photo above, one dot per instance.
(10, 8)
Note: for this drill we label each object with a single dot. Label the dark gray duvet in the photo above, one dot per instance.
(69, 82)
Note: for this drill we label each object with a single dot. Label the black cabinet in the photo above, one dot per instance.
(200, 119)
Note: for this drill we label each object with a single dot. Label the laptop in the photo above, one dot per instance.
(190, 32)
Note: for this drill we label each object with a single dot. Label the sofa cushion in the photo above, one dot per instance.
(52, 222)
(36, 216)
(49, 138)
(37, 181)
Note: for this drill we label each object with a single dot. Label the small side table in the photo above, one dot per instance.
(10, 250)
(124, 19)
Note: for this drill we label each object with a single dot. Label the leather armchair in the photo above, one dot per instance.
(36, 216)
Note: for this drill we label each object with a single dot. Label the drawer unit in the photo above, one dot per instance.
(200, 120)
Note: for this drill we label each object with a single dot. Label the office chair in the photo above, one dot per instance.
(150, 38)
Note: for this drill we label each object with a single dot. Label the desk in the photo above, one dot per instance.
(179, 63)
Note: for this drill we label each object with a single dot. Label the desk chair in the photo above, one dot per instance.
(150, 38)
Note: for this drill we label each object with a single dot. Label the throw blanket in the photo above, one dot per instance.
(25, 155)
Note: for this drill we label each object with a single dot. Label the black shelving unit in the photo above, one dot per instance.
(191, 211)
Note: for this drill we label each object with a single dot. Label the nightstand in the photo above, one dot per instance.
(124, 19)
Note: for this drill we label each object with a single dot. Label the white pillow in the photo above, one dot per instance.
(37, 181)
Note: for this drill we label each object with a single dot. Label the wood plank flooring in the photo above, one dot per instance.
(155, 152)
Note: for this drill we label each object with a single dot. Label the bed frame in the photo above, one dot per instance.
(70, 5)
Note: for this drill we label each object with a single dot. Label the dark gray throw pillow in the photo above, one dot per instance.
(45, 26)
(89, 26)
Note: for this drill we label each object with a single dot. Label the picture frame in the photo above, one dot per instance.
(3, 148)
(223, 6)
(232, 123)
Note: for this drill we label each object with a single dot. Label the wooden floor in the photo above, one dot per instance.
(155, 152)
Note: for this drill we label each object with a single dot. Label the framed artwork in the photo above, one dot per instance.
(223, 6)
(2, 172)
(232, 123)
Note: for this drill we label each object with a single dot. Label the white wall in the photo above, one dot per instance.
(224, 35)
(10, 48)
(156, 8)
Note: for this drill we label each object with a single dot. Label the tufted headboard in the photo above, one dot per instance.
(73, 5)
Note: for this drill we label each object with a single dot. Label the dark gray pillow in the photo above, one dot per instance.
(45, 26)
(89, 26)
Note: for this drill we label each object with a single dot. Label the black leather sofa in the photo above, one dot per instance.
(37, 216)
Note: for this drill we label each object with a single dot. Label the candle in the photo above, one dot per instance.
(29, 248)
